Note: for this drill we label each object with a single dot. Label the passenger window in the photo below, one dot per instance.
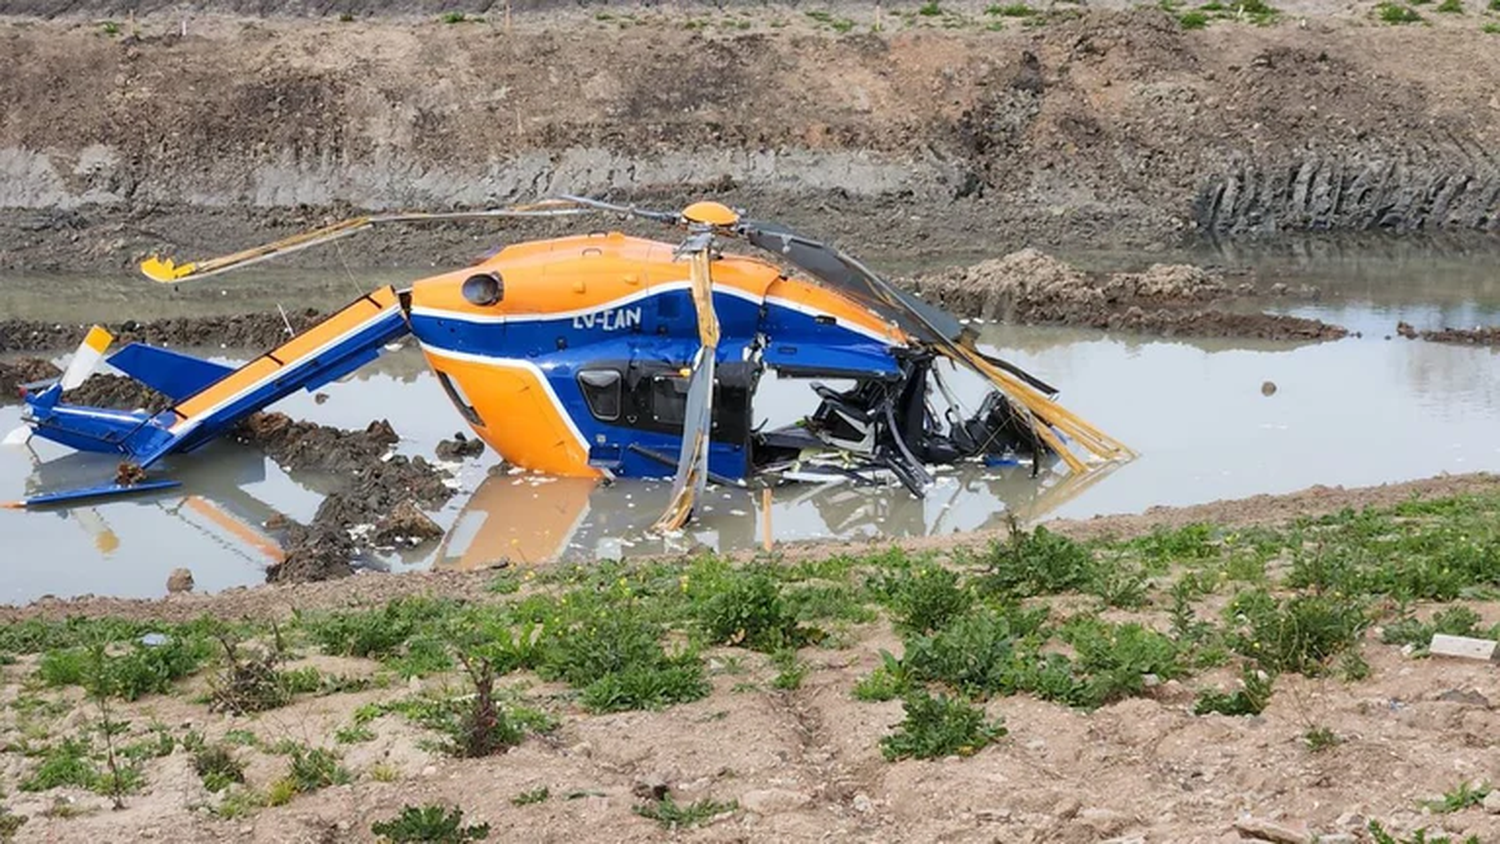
(602, 390)
(668, 399)
(460, 401)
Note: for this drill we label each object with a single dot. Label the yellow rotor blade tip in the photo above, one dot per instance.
(165, 270)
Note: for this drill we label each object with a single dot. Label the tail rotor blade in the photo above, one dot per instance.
(18, 437)
(90, 353)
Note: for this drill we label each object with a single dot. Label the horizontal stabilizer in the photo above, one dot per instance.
(93, 492)
(172, 374)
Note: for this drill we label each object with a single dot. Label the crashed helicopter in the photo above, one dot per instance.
(607, 355)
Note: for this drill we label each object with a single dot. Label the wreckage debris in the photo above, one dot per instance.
(406, 525)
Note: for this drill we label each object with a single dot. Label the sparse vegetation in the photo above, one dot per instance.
(1420, 836)
(1463, 796)
(535, 795)
(1320, 738)
(218, 767)
(1451, 7)
(430, 823)
(1396, 13)
(670, 815)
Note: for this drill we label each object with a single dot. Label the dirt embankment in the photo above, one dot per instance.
(1081, 127)
(1030, 287)
(1478, 336)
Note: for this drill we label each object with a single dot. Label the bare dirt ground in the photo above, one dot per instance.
(1074, 125)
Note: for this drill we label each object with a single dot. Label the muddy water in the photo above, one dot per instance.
(1360, 411)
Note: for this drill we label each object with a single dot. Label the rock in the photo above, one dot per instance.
(1104, 822)
(429, 771)
(767, 801)
(1465, 696)
(459, 447)
(179, 581)
(1492, 802)
(1268, 388)
(1261, 830)
(863, 804)
(654, 785)
(406, 524)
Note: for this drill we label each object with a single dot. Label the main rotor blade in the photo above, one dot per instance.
(168, 271)
(670, 218)
(697, 417)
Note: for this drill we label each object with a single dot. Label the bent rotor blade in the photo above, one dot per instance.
(697, 417)
(670, 218)
(90, 353)
(167, 271)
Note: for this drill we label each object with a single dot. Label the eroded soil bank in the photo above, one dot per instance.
(1076, 126)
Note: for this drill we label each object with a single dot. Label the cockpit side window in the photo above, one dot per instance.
(603, 389)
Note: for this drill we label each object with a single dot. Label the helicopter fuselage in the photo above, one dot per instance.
(570, 356)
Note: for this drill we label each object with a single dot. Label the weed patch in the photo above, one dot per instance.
(670, 815)
(939, 726)
(429, 823)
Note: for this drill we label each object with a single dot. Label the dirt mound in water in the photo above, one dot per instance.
(242, 331)
(379, 485)
(15, 373)
(1478, 336)
(1033, 288)
(118, 392)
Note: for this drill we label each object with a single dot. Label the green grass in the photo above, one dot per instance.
(671, 815)
(1193, 20)
(1319, 739)
(1396, 13)
(1451, 7)
(1378, 833)
(939, 726)
(1463, 796)
(1250, 699)
(1491, 28)
(535, 795)
(1011, 10)
(218, 767)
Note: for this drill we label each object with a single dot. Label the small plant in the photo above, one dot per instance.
(616, 658)
(887, 682)
(1491, 28)
(65, 763)
(430, 823)
(939, 726)
(1451, 7)
(314, 768)
(1465, 795)
(747, 609)
(1396, 13)
(1011, 10)
(353, 734)
(110, 28)
(535, 795)
(670, 815)
(791, 670)
(1193, 20)
(10, 823)
(925, 598)
(1037, 562)
(384, 772)
(1320, 738)
(1454, 621)
(930, 9)
(1419, 837)
(102, 682)
(217, 767)
(346, 18)
(454, 17)
(1251, 699)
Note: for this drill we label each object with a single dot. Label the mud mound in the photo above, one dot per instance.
(1032, 288)
(118, 392)
(244, 331)
(378, 487)
(1478, 336)
(459, 447)
(15, 373)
